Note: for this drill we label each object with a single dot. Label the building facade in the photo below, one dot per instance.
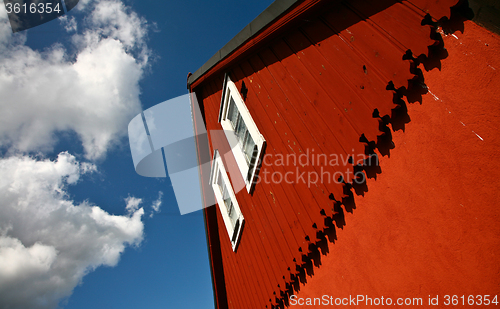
(354, 152)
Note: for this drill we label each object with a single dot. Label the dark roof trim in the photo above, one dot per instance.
(273, 11)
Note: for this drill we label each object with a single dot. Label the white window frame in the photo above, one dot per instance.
(248, 169)
(233, 230)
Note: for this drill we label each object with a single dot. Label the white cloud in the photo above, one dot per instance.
(132, 203)
(69, 23)
(156, 204)
(112, 20)
(47, 242)
(93, 92)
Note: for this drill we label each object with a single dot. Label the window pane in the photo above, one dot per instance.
(227, 200)
(232, 113)
(248, 147)
(233, 217)
(219, 182)
(240, 128)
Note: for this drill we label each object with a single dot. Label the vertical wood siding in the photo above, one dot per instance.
(312, 90)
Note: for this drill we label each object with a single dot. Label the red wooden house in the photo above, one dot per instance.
(354, 155)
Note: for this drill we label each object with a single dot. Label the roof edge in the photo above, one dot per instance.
(273, 11)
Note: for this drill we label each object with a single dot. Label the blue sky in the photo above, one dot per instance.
(73, 209)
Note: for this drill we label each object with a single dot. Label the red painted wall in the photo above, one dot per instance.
(336, 74)
(429, 224)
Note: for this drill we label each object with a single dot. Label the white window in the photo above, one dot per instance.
(228, 205)
(242, 134)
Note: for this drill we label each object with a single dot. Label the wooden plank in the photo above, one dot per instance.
(290, 196)
(309, 205)
(334, 96)
(233, 282)
(337, 144)
(400, 24)
(377, 49)
(263, 221)
(436, 8)
(281, 217)
(284, 257)
(360, 78)
(300, 137)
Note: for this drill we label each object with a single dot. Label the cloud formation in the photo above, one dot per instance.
(156, 205)
(132, 203)
(92, 91)
(47, 242)
(91, 88)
